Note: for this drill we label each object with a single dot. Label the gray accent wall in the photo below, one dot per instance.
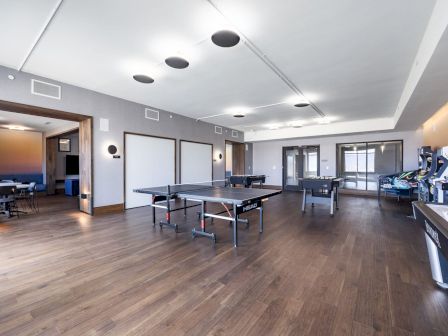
(123, 116)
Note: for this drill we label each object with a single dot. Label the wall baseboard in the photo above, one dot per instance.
(270, 186)
(108, 209)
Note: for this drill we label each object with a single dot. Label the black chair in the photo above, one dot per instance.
(8, 204)
(29, 196)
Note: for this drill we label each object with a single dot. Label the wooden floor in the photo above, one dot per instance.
(363, 272)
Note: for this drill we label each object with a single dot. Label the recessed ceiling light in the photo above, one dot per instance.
(11, 77)
(296, 124)
(143, 79)
(324, 120)
(177, 62)
(225, 38)
(239, 115)
(273, 126)
(16, 127)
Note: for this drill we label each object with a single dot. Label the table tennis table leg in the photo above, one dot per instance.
(153, 216)
(332, 203)
(304, 200)
(185, 207)
(235, 226)
(202, 231)
(168, 216)
(261, 218)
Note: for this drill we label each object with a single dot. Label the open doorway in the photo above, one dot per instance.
(50, 151)
(234, 158)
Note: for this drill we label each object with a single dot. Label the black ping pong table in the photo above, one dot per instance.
(242, 200)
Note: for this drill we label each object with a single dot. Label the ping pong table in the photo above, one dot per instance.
(242, 200)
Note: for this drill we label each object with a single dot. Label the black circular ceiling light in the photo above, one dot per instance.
(225, 38)
(143, 79)
(177, 62)
(302, 104)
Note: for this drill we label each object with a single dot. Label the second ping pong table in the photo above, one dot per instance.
(242, 200)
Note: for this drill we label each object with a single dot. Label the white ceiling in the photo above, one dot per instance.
(34, 123)
(351, 58)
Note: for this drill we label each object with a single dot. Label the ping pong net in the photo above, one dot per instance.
(172, 189)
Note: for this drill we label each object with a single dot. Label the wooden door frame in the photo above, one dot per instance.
(225, 154)
(58, 114)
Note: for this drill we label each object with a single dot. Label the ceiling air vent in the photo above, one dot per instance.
(234, 134)
(151, 114)
(44, 89)
(218, 129)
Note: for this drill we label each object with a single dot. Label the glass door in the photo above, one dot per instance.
(291, 166)
(383, 158)
(310, 161)
(361, 163)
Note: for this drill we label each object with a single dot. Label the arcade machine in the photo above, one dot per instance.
(431, 212)
(427, 167)
(439, 182)
(321, 190)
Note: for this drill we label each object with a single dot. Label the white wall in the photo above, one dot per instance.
(267, 157)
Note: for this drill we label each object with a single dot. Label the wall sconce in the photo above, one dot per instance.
(218, 157)
(112, 149)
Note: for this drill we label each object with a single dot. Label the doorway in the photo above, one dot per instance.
(85, 145)
(299, 162)
(234, 159)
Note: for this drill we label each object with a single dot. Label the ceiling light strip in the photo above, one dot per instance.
(41, 34)
(257, 52)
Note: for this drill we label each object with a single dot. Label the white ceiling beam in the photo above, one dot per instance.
(40, 35)
(437, 25)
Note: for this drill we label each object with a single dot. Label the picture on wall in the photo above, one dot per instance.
(64, 145)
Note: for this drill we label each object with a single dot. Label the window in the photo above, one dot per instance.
(361, 163)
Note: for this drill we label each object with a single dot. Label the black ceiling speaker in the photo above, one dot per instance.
(225, 38)
(302, 104)
(177, 62)
(112, 149)
(143, 79)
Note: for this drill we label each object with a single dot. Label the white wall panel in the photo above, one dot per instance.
(196, 162)
(150, 162)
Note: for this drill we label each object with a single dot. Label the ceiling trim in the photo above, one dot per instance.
(437, 25)
(40, 35)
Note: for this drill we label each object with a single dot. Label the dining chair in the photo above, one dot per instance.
(8, 204)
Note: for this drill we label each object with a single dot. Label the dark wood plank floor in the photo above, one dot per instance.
(363, 272)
